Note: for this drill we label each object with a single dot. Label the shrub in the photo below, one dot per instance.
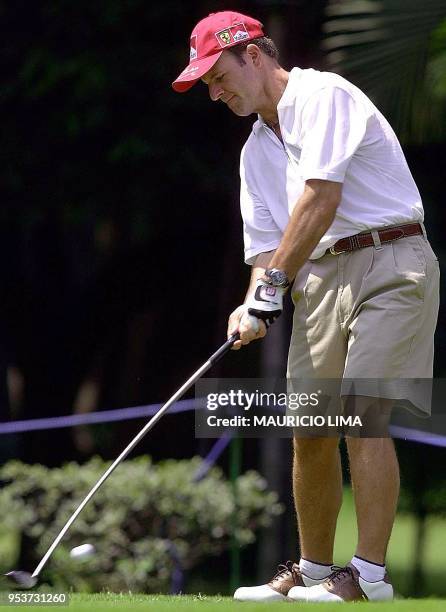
(146, 520)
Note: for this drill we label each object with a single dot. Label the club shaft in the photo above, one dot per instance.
(156, 417)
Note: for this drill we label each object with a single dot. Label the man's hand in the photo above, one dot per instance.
(249, 327)
(266, 302)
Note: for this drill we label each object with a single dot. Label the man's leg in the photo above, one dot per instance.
(317, 486)
(400, 278)
(375, 479)
(375, 482)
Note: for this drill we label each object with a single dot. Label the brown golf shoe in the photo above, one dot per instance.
(288, 575)
(344, 584)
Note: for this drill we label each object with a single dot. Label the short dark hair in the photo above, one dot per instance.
(265, 44)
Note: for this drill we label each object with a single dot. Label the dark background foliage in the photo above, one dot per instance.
(122, 251)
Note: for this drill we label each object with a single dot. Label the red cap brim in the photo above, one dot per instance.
(193, 72)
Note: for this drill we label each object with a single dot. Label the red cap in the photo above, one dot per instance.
(210, 37)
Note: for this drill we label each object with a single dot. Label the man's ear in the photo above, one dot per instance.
(254, 54)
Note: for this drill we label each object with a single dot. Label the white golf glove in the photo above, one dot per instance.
(266, 302)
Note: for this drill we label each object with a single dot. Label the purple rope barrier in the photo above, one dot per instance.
(415, 435)
(103, 416)
(213, 456)
(138, 412)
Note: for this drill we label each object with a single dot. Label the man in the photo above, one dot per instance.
(331, 211)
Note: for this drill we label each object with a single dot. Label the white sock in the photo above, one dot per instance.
(317, 571)
(372, 572)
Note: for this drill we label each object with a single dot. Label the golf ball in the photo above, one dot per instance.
(82, 552)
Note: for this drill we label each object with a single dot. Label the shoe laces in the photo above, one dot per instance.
(339, 573)
(287, 568)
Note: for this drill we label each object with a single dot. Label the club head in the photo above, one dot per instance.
(21, 580)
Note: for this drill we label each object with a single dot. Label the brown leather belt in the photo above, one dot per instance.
(365, 239)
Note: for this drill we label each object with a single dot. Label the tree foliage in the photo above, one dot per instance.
(395, 50)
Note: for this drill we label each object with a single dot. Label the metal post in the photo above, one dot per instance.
(235, 465)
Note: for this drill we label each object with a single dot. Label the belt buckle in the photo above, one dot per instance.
(333, 252)
(353, 245)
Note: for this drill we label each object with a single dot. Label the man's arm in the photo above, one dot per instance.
(261, 263)
(312, 216)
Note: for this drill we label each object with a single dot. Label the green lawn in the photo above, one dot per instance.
(160, 603)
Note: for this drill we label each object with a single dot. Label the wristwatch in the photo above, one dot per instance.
(277, 278)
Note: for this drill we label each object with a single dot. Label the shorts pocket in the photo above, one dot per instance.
(300, 282)
(410, 264)
(418, 244)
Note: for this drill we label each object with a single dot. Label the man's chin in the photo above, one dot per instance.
(238, 110)
(244, 113)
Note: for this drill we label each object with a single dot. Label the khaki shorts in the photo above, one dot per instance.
(368, 314)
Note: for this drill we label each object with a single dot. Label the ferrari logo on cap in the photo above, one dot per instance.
(232, 35)
(225, 37)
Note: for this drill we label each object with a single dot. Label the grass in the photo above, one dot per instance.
(164, 603)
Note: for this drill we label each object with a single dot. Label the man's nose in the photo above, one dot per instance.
(215, 91)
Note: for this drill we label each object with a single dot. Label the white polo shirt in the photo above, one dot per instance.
(332, 131)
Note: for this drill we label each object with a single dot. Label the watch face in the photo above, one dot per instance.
(278, 278)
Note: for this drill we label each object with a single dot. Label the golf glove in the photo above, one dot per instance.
(266, 303)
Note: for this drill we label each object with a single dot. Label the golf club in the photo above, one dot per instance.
(25, 580)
